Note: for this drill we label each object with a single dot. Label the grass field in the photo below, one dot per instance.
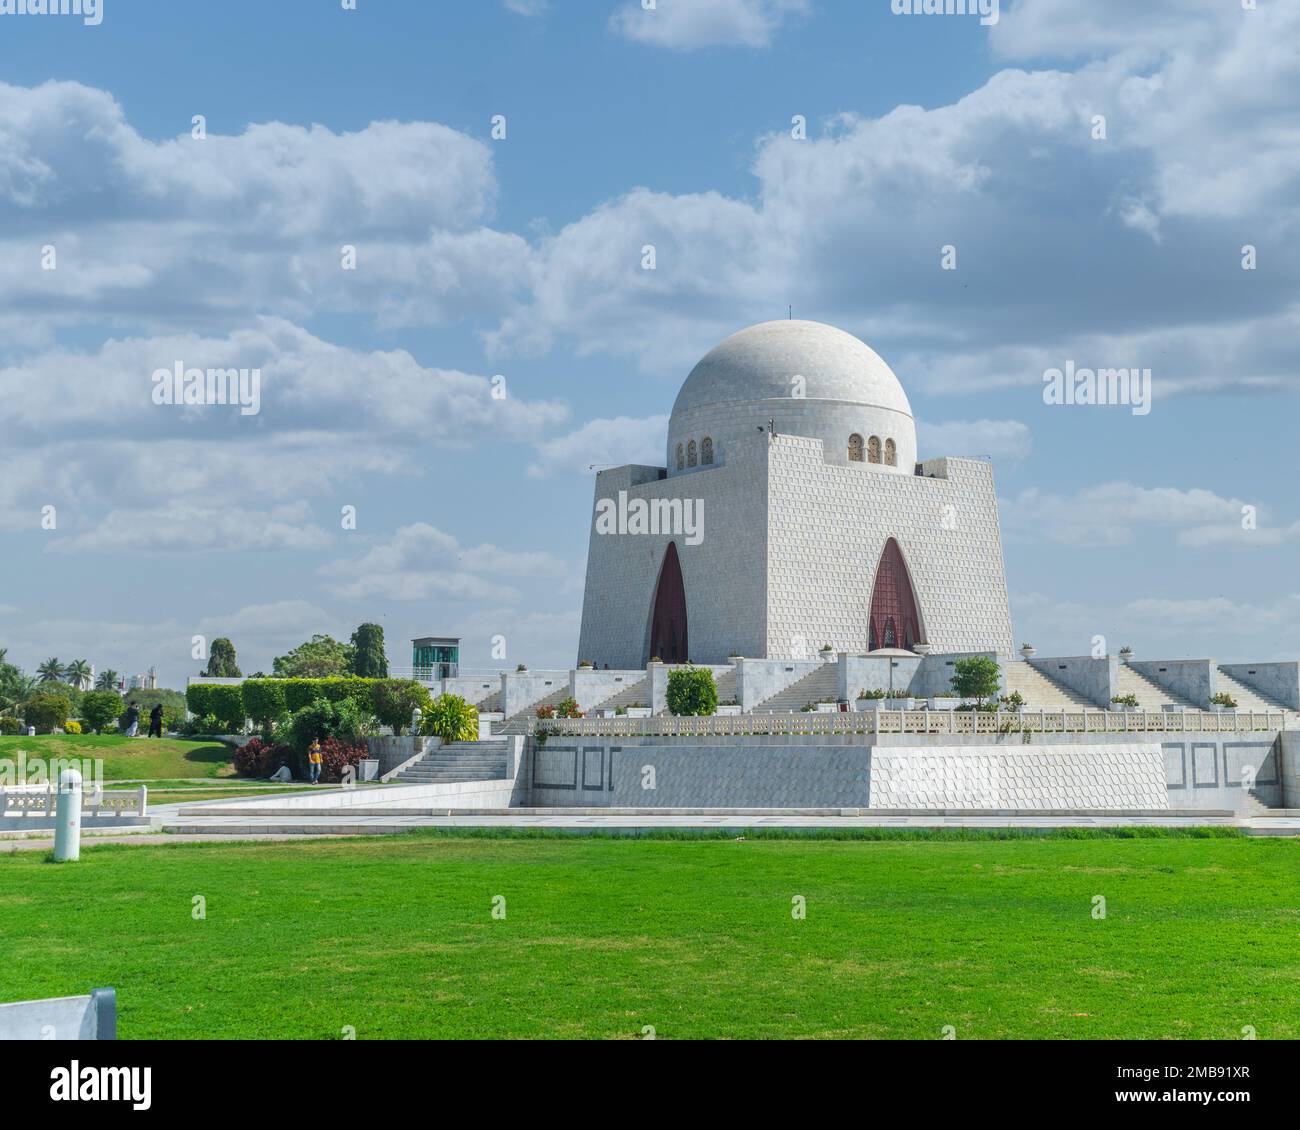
(695, 937)
(128, 758)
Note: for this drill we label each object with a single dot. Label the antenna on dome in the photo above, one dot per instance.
(789, 313)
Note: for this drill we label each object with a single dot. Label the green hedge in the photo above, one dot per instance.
(266, 699)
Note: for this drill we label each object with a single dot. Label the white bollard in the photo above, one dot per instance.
(67, 826)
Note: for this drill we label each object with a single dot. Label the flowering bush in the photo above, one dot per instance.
(72, 726)
(546, 711)
(336, 755)
(260, 758)
(568, 708)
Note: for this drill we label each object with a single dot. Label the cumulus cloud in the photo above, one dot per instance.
(1116, 513)
(1006, 441)
(203, 231)
(688, 25)
(603, 442)
(74, 423)
(181, 526)
(421, 562)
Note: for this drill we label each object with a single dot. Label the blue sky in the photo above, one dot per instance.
(520, 257)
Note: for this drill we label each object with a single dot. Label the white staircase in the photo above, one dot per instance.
(1041, 692)
(818, 685)
(459, 761)
(1150, 695)
(1246, 697)
(629, 696)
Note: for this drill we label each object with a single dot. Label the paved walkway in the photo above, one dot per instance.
(382, 824)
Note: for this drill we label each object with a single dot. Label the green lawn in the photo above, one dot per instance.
(395, 936)
(128, 758)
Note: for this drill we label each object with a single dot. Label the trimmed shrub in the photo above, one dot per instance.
(47, 711)
(10, 725)
(101, 709)
(72, 726)
(692, 691)
(976, 677)
(198, 697)
(226, 704)
(264, 700)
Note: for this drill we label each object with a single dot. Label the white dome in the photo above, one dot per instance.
(749, 378)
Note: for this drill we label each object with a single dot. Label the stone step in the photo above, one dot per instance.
(1042, 692)
(821, 683)
(1150, 695)
(1247, 698)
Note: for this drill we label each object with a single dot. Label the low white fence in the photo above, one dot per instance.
(41, 800)
(913, 722)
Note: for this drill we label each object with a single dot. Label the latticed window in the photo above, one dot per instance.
(692, 454)
(706, 450)
(873, 449)
(891, 453)
(681, 459)
(855, 448)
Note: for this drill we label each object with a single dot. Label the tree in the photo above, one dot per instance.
(367, 656)
(107, 680)
(691, 690)
(78, 674)
(321, 657)
(51, 671)
(221, 660)
(452, 719)
(395, 700)
(978, 677)
(47, 710)
(101, 709)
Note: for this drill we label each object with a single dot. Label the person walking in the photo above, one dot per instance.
(155, 721)
(314, 760)
(132, 720)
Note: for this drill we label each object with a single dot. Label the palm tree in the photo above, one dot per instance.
(16, 689)
(107, 680)
(51, 671)
(78, 673)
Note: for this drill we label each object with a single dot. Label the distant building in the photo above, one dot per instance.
(435, 657)
(145, 682)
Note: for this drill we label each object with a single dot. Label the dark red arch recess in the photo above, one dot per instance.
(668, 628)
(894, 621)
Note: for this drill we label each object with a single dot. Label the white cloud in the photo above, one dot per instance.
(603, 442)
(421, 562)
(1006, 441)
(181, 526)
(528, 7)
(1115, 513)
(74, 425)
(688, 25)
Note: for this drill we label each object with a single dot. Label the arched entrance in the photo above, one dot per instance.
(894, 620)
(668, 630)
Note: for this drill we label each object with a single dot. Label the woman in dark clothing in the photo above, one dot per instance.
(155, 721)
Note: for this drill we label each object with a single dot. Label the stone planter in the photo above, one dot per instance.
(922, 648)
(638, 712)
(1116, 708)
(729, 711)
(900, 704)
(827, 707)
(943, 702)
(867, 704)
(368, 769)
(1028, 652)
(1215, 708)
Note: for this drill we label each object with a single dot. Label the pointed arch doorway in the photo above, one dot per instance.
(669, 636)
(894, 620)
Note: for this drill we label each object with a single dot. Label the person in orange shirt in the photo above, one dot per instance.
(314, 760)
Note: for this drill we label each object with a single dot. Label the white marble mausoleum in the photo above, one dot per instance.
(793, 512)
